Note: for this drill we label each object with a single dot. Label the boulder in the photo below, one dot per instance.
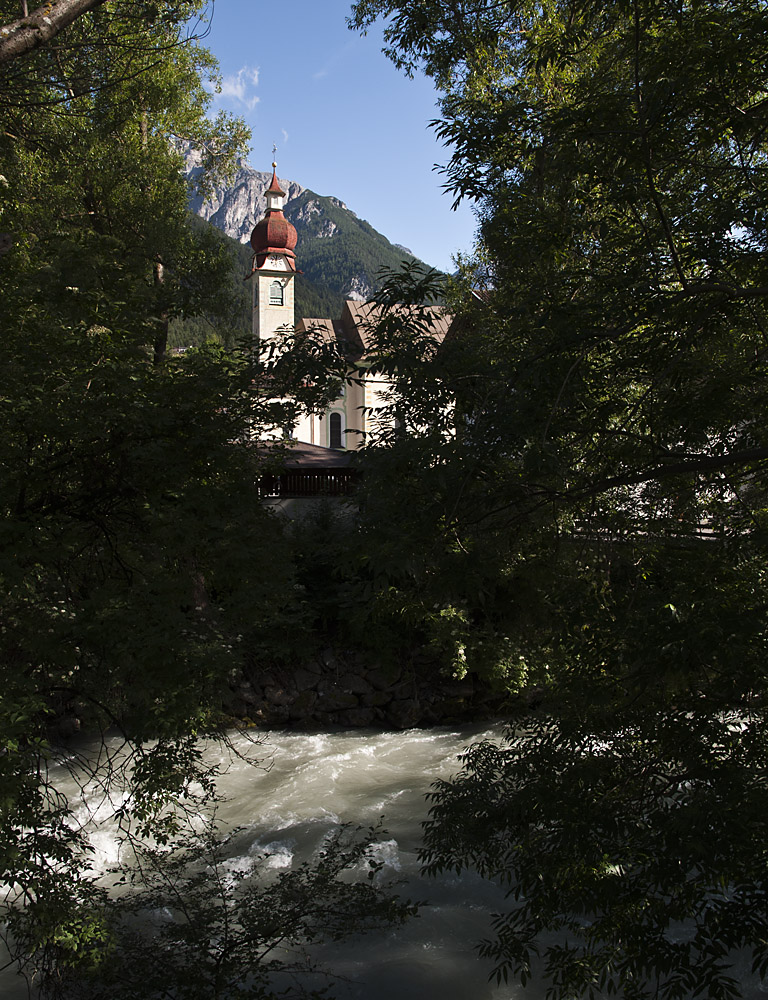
(376, 699)
(303, 705)
(384, 678)
(355, 683)
(463, 688)
(278, 696)
(450, 708)
(245, 692)
(337, 701)
(404, 714)
(357, 717)
(304, 680)
(313, 667)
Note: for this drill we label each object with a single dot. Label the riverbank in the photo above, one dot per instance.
(336, 689)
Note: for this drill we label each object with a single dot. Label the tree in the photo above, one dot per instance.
(194, 919)
(137, 563)
(31, 31)
(605, 482)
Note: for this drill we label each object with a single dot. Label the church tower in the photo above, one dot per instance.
(274, 266)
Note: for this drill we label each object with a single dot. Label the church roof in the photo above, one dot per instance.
(335, 331)
(274, 186)
(301, 455)
(273, 232)
(352, 332)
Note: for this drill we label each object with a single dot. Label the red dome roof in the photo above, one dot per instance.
(274, 232)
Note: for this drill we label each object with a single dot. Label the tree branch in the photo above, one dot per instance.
(29, 33)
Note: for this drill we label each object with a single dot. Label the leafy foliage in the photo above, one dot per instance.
(658, 891)
(136, 561)
(192, 920)
(586, 468)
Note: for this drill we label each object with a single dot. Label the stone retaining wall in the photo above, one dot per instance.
(337, 690)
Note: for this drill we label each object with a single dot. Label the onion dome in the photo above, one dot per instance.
(274, 233)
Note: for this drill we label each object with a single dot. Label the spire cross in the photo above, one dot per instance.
(274, 150)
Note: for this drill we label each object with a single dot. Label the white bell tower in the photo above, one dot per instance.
(274, 266)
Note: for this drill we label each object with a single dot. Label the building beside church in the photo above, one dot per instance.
(354, 415)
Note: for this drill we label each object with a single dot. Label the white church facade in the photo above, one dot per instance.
(352, 417)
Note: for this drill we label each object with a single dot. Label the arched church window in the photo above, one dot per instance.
(335, 430)
(275, 294)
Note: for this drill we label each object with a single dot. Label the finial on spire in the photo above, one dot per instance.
(274, 154)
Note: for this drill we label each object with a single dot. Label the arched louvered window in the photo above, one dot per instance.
(335, 430)
(275, 294)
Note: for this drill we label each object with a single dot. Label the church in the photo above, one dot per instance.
(350, 419)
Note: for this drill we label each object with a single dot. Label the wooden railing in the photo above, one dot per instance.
(319, 483)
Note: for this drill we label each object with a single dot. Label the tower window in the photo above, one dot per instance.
(275, 294)
(335, 430)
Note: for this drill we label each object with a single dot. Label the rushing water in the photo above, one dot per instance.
(309, 783)
(306, 785)
(324, 779)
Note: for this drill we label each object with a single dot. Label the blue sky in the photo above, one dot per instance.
(345, 121)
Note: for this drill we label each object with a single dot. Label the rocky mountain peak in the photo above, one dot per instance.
(235, 208)
(340, 256)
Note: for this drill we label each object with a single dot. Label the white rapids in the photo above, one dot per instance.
(316, 781)
(305, 786)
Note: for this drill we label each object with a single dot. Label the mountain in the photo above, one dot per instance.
(237, 207)
(340, 255)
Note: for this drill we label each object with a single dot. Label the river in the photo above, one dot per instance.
(356, 776)
(310, 782)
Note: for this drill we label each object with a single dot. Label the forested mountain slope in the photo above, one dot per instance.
(339, 255)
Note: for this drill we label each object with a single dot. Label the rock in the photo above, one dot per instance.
(67, 725)
(266, 679)
(313, 667)
(327, 228)
(359, 288)
(329, 660)
(303, 705)
(245, 692)
(303, 680)
(457, 689)
(278, 696)
(268, 716)
(355, 684)
(326, 683)
(236, 206)
(308, 209)
(384, 679)
(376, 699)
(357, 717)
(450, 708)
(336, 701)
(237, 708)
(404, 714)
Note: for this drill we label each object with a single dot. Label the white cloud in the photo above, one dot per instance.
(236, 87)
(285, 136)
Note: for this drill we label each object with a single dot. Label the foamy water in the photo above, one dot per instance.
(286, 807)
